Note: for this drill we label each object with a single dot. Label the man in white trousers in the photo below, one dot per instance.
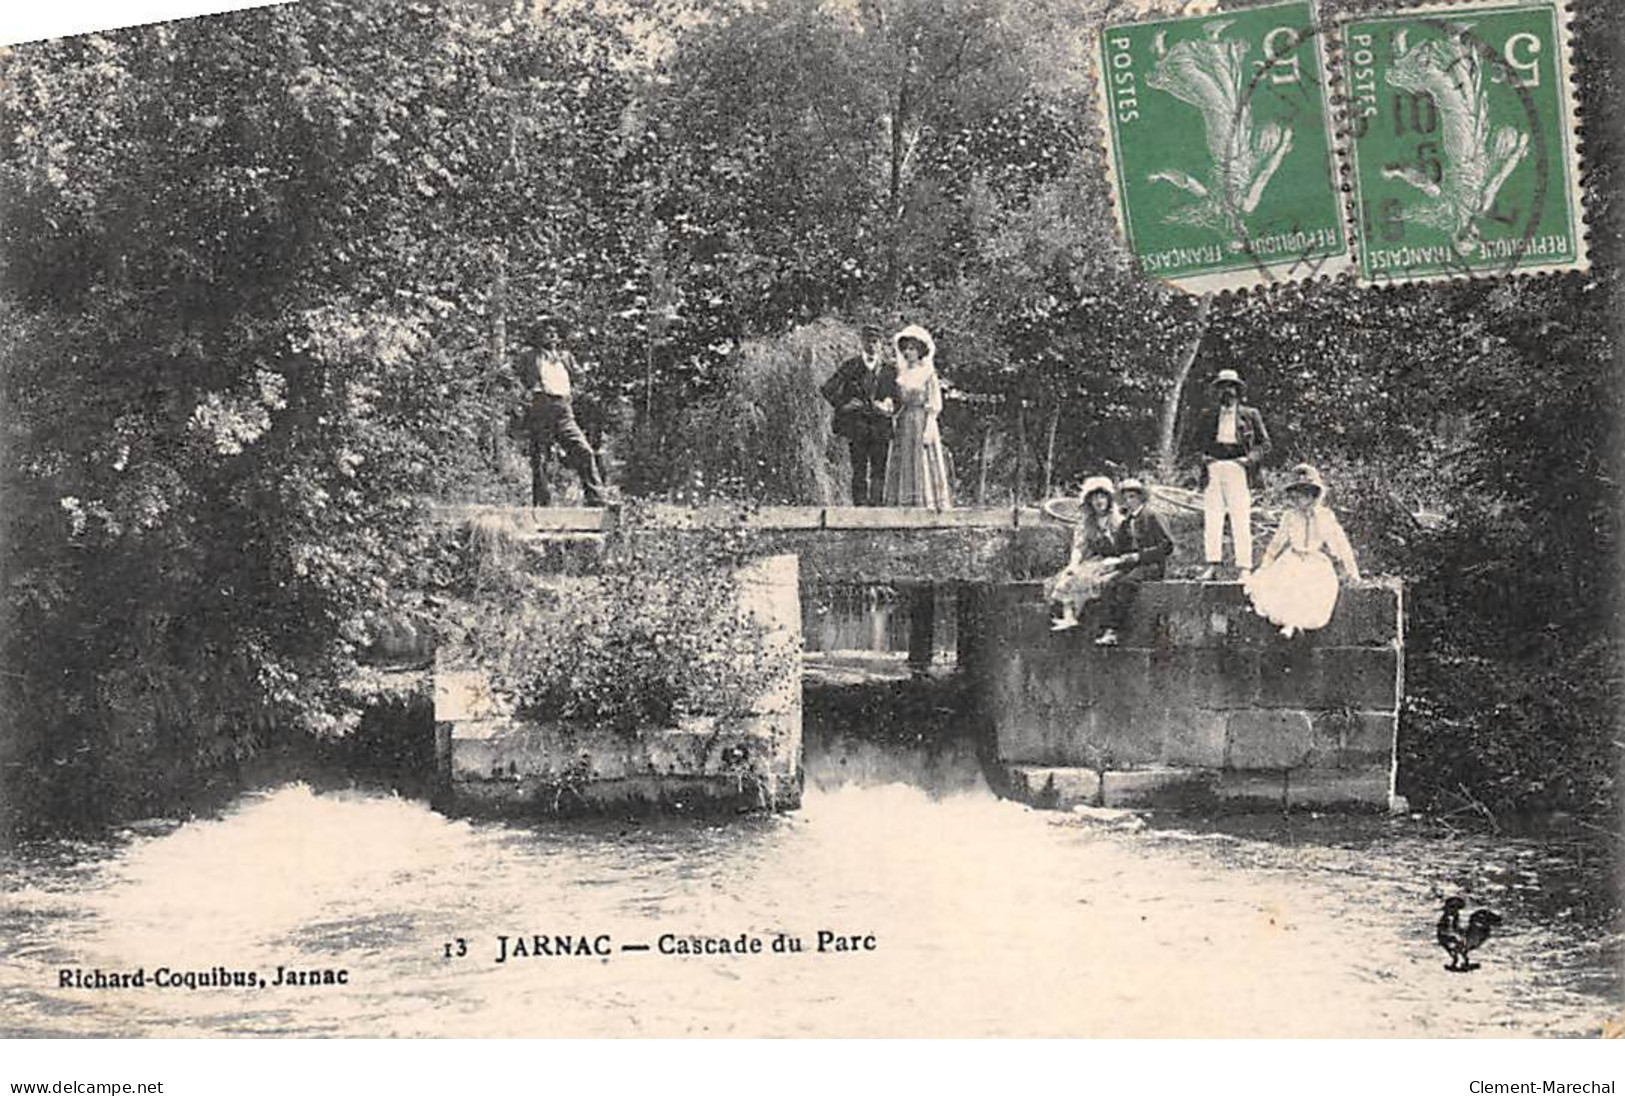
(1232, 442)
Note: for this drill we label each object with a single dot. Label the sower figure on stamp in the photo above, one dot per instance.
(862, 392)
(551, 420)
(1232, 443)
(1143, 545)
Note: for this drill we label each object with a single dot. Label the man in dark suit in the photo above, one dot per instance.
(1232, 442)
(1143, 544)
(863, 393)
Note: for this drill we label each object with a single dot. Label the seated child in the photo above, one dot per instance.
(1094, 557)
(1143, 546)
(1296, 587)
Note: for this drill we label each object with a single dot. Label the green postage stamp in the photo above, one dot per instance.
(1457, 133)
(1462, 134)
(1220, 147)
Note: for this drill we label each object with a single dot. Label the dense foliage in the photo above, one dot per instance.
(660, 633)
(262, 277)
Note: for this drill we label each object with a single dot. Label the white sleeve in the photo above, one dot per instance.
(1337, 542)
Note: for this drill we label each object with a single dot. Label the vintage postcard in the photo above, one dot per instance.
(937, 518)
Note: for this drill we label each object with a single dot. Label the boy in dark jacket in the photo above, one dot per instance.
(1143, 542)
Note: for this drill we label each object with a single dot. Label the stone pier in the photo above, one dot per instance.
(494, 760)
(1203, 701)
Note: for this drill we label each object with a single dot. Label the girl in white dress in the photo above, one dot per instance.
(1296, 586)
(1094, 560)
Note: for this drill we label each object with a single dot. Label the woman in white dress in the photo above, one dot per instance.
(1296, 586)
(917, 468)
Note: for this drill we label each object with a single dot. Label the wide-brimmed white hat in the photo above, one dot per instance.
(919, 334)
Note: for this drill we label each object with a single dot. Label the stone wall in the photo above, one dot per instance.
(1202, 699)
(491, 760)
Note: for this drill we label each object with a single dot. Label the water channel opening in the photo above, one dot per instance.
(883, 702)
(854, 633)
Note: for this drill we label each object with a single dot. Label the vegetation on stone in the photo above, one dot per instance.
(658, 637)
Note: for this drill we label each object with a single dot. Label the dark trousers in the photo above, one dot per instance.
(553, 422)
(1119, 595)
(869, 469)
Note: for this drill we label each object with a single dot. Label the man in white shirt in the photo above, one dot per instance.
(552, 421)
(1232, 442)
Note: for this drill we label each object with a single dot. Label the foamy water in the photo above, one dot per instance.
(988, 919)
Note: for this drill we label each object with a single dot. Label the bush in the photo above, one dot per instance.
(659, 636)
(766, 436)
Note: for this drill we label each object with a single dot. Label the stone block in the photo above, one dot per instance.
(1156, 786)
(1043, 735)
(1266, 739)
(1205, 677)
(1363, 678)
(1084, 681)
(1287, 675)
(1122, 677)
(785, 517)
(1194, 737)
(1065, 733)
(1354, 739)
(1184, 629)
(1006, 684)
(1145, 625)
(1123, 736)
(1326, 731)
(914, 517)
(1022, 733)
(1024, 622)
(1261, 790)
(1366, 616)
(566, 519)
(521, 750)
(1370, 785)
(1059, 787)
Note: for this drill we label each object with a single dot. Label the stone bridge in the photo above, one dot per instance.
(1202, 702)
(878, 545)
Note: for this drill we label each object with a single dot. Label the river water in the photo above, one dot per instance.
(987, 919)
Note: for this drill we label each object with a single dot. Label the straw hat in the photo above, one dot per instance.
(1093, 484)
(1228, 376)
(1132, 484)
(1305, 477)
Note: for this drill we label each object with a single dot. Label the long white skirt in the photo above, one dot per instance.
(1295, 590)
(1082, 582)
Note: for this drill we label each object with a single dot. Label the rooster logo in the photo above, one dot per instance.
(1209, 74)
(1475, 157)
